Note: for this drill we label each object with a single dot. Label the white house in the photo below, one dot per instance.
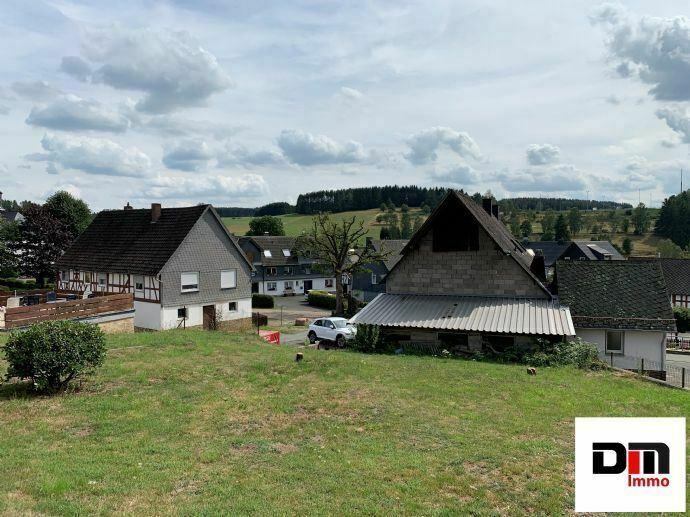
(182, 265)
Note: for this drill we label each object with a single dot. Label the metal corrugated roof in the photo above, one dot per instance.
(533, 316)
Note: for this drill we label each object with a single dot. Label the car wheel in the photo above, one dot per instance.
(312, 337)
(340, 341)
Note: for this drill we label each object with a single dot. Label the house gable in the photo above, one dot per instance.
(461, 250)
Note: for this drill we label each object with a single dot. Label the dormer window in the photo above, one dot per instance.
(268, 254)
(286, 253)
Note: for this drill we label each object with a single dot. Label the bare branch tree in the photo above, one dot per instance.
(335, 245)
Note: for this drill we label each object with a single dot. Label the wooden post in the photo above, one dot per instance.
(642, 365)
(611, 358)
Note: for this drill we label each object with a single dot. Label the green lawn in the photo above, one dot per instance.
(295, 224)
(212, 423)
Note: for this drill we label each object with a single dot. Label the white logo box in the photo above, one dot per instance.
(626, 491)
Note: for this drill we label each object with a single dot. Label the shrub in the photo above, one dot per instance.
(262, 301)
(53, 353)
(321, 299)
(577, 353)
(682, 316)
(15, 283)
(367, 339)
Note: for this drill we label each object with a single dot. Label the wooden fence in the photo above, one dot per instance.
(22, 316)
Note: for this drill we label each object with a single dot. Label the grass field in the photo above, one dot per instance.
(211, 423)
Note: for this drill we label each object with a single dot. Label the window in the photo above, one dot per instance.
(182, 313)
(451, 233)
(287, 270)
(102, 279)
(64, 276)
(232, 306)
(681, 300)
(318, 323)
(566, 258)
(190, 282)
(87, 278)
(307, 271)
(138, 284)
(374, 279)
(271, 271)
(268, 254)
(288, 284)
(228, 279)
(614, 341)
(582, 258)
(329, 282)
(271, 286)
(286, 253)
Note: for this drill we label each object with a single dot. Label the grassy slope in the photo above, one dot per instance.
(202, 423)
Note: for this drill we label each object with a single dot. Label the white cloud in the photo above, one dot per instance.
(72, 113)
(543, 154)
(677, 119)
(171, 68)
(39, 91)
(240, 155)
(461, 174)
(425, 144)
(655, 50)
(4, 110)
(560, 178)
(208, 187)
(188, 155)
(351, 94)
(76, 67)
(170, 125)
(306, 149)
(92, 155)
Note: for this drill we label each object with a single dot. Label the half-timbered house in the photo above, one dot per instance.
(181, 264)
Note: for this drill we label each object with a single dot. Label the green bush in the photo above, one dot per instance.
(577, 353)
(682, 316)
(262, 301)
(53, 353)
(367, 339)
(15, 283)
(321, 299)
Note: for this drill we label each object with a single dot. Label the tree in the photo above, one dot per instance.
(627, 246)
(526, 228)
(330, 242)
(266, 225)
(640, 219)
(561, 230)
(625, 225)
(383, 207)
(515, 227)
(426, 209)
(674, 219)
(384, 234)
(43, 239)
(669, 249)
(10, 236)
(575, 220)
(73, 212)
(416, 224)
(547, 226)
(405, 225)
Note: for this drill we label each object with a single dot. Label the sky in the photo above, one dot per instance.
(245, 103)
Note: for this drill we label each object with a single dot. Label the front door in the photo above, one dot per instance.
(308, 285)
(209, 317)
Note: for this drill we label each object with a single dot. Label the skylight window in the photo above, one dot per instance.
(267, 254)
(286, 253)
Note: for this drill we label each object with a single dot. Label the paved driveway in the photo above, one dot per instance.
(679, 360)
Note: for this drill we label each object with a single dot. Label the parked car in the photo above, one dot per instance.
(337, 330)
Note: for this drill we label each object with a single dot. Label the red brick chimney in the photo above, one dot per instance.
(155, 212)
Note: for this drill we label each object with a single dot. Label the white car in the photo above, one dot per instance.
(337, 330)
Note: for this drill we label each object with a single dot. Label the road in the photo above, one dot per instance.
(680, 360)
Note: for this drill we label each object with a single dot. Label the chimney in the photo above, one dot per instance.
(128, 206)
(486, 205)
(155, 212)
(538, 266)
(494, 211)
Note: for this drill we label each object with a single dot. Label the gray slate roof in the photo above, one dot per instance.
(596, 250)
(393, 247)
(552, 250)
(275, 245)
(676, 273)
(11, 216)
(615, 294)
(531, 316)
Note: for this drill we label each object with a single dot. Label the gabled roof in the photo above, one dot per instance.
(598, 250)
(496, 230)
(11, 216)
(275, 245)
(126, 241)
(552, 249)
(615, 294)
(676, 273)
(531, 316)
(392, 247)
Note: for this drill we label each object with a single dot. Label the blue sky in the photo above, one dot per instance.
(239, 103)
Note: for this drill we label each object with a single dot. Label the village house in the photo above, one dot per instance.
(554, 251)
(371, 282)
(677, 277)
(280, 270)
(10, 216)
(464, 282)
(181, 264)
(620, 306)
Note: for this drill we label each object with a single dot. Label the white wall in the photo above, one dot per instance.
(297, 286)
(649, 345)
(147, 315)
(195, 313)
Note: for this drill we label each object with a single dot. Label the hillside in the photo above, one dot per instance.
(211, 423)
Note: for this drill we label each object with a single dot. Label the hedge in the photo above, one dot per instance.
(322, 299)
(682, 316)
(262, 301)
(15, 283)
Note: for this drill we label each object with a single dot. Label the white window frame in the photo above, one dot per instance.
(103, 279)
(228, 279)
(606, 345)
(286, 252)
(268, 254)
(271, 286)
(374, 279)
(185, 313)
(192, 287)
(138, 279)
(271, 271)
(288, 284)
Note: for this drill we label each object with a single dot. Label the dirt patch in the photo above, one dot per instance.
(284, 448)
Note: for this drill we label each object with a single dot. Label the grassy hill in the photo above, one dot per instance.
(213, 423)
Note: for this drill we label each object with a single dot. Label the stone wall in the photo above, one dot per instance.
(484, 272)
(121, 326)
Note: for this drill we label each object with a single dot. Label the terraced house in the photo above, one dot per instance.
(181, 264)
(280, 271)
